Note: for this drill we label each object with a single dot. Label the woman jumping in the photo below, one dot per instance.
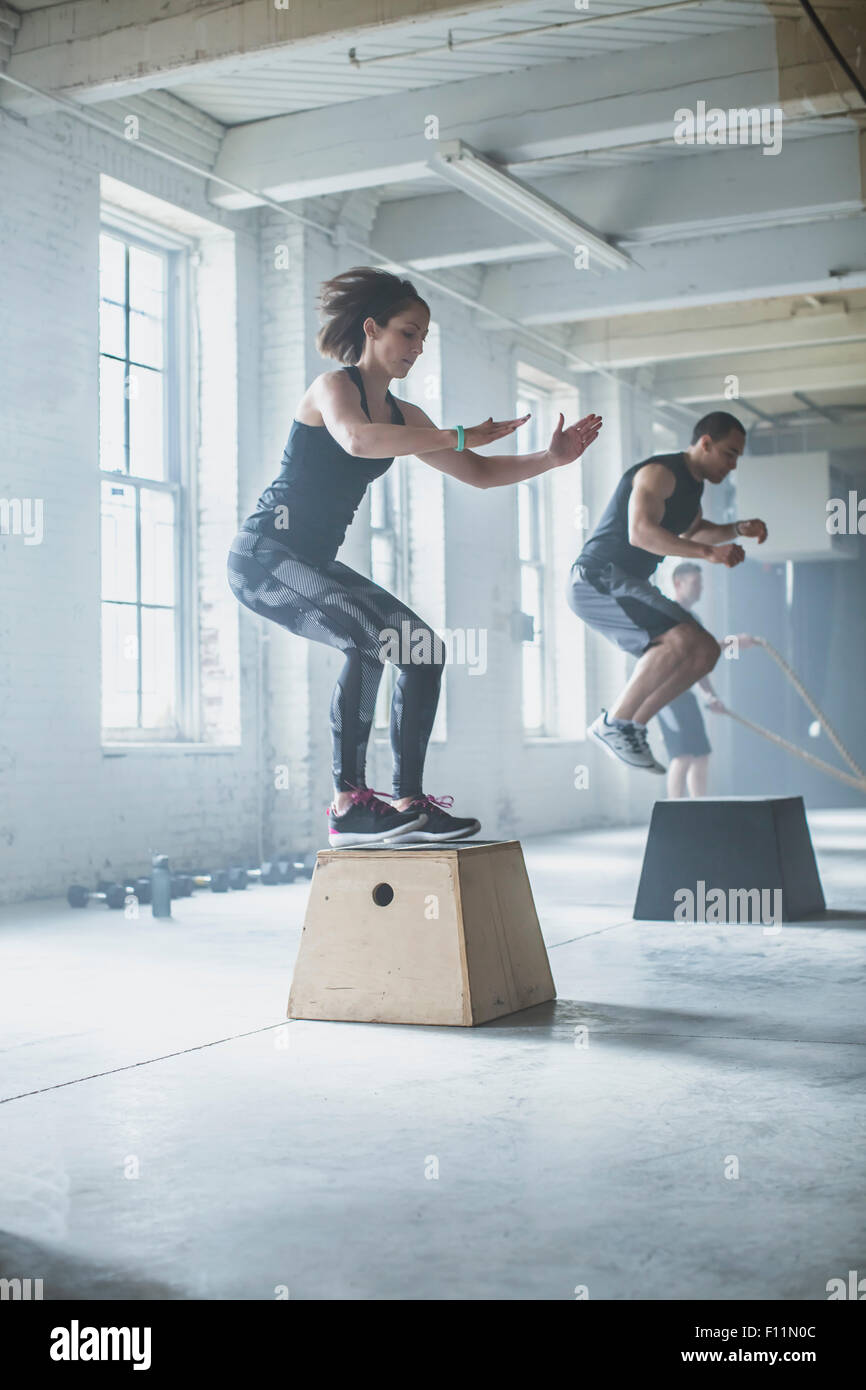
(347, 431)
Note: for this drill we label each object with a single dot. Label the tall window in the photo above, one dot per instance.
(549, 522)
(389, 559)
(141, 497)
(532, 520)
(406, 518)
(665, 439)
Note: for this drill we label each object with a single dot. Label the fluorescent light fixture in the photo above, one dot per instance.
(487, 183)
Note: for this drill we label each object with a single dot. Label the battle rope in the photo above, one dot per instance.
(859, 781)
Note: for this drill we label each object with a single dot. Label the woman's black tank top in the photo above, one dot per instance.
(309, 505)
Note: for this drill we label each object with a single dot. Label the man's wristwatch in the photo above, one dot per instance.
(737, 525)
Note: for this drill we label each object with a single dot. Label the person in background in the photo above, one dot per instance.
(682, 723)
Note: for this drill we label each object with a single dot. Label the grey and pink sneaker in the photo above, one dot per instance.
(370, 821)
(440, 825)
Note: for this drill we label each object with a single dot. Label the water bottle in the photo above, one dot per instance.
(161, 886)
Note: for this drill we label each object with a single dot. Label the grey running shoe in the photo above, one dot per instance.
(625, 742)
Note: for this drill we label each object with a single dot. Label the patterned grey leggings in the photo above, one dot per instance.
(333, 604)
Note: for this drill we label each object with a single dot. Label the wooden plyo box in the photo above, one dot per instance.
(445, 934)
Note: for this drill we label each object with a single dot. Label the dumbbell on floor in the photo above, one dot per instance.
(275, 871)
(217, 881)
(113, 895)
(294, 865)
(138, 887)
(286, 870)
(271, 873)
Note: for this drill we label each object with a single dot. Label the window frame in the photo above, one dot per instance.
(179, 371)
(396, 478)
(538, 489)
(535, 491)
(401, 535)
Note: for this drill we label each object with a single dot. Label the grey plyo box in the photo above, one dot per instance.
(729, 843)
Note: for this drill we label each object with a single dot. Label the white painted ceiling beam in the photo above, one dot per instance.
(805, 259)
(95, 50)
(808, 370)
(658, 343)
(608, 102)
(668, 200)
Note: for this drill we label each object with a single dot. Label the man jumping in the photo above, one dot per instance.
(656, 511)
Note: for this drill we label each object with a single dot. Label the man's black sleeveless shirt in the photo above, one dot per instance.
(309, 505)
(609, 541)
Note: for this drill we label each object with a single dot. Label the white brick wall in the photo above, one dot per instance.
(67, 809)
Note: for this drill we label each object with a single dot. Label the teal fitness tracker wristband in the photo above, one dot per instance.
(461, 439)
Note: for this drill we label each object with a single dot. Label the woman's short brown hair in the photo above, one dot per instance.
(353, 296)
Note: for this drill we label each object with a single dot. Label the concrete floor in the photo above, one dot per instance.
(276, 1154)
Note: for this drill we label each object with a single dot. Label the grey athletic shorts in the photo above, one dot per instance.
(626, 610)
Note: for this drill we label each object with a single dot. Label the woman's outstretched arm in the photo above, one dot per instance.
(336, 398)
(499, 470)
